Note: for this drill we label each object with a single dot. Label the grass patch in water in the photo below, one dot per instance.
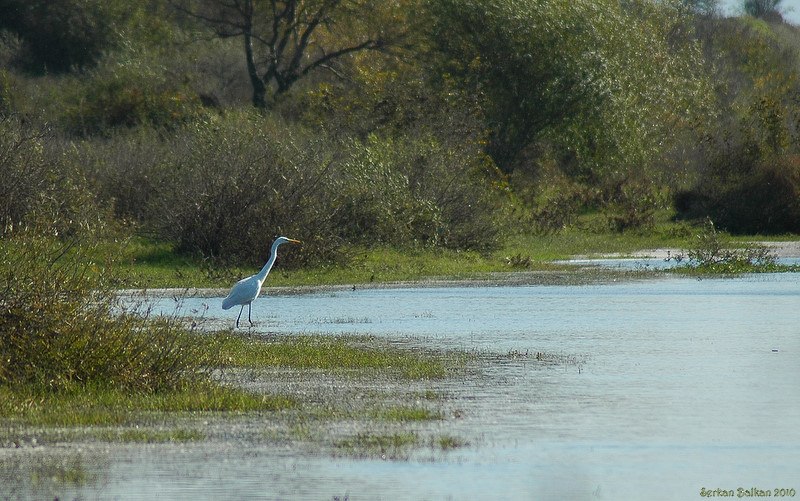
(405, 414)
(152, 436)
(713, 252)
(447, 442)
(339, 354)
(85, 406)
(388, 446)
(394, 445)
(45, 473)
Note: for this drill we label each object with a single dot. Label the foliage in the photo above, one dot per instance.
(415, 189)
(546, 110)
(38, 192)
(703, 7)
(748, 177)
(519, 61)
(58, 36)
(762, 8)
(227, 188)
(284, 41)
(714, 253)
(555, 78)
(748, 198)
(134, 88)
(60, 327)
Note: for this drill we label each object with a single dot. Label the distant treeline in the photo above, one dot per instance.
(216, 125)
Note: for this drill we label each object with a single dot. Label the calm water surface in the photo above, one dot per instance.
(683, 384)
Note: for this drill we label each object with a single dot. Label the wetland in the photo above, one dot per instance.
(599, 388)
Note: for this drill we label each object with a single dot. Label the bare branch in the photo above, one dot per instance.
(285, 31)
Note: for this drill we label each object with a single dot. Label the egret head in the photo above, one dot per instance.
(286, 240)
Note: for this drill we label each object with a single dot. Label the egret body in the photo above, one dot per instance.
(247, 289)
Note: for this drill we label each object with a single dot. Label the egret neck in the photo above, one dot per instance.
(262, 275)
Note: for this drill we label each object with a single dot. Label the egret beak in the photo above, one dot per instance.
(292, 240)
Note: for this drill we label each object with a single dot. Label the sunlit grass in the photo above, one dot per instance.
(111, 407)
(330, 353)
(156, 265)
(356, 356)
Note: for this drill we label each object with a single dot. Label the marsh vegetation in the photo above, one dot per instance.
(134, 157)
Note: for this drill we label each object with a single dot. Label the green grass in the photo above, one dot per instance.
(150, 265)
(402, 413)
(390, 446)
(152, 436)
(336, 354)
(85, 406)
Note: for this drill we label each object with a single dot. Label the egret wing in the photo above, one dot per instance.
(243, 292)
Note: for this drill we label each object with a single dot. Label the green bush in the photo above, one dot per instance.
(747, 178)
(758, 198)
(230, 186)
(416, 190)
(38, 191)
(227, 187)
(558, 79)
(131, 88)
(713, 252)
(60, 325)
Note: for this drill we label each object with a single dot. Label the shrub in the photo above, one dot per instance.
(130, 88)
(38, 191)
(559, 73)
(60, 327)
(416, 189)
(227, 187)
(713, 252)
(749, 163)
(231, 186)
(763, 198)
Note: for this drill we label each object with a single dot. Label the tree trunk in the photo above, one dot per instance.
(259, 88)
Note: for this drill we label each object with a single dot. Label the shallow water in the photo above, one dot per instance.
(680, 385)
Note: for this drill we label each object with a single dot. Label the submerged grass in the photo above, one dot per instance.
(179, 435)
(394, 445)
(389, 446)
(402, 413)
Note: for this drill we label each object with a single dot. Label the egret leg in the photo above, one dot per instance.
(249, 308)
(240, 316)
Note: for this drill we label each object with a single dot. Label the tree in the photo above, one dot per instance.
(286, 40)
(61, 35)
(519, 61)
(601, 84)
(703, 7)
(762, 8)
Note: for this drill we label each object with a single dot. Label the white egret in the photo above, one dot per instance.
(247, 289)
